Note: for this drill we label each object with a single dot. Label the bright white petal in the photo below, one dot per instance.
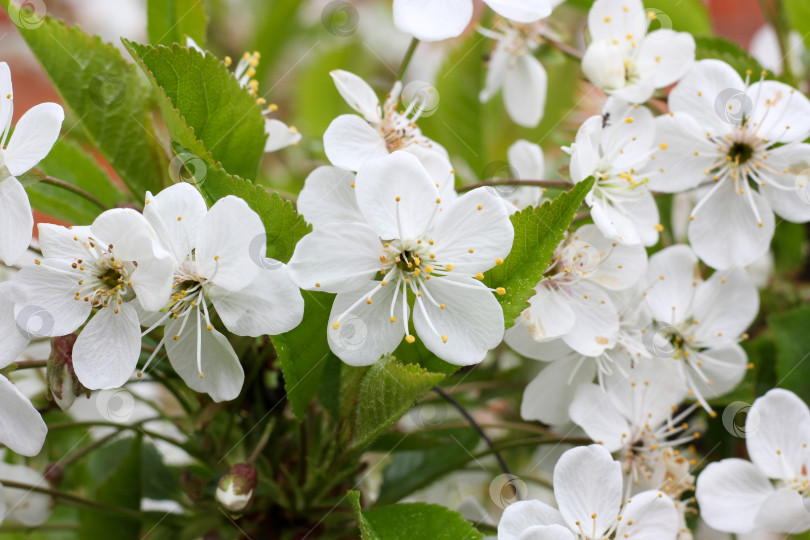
(33, 137)
(671, 297)
(725, 231)
(16, 221)
(549, 316)
(358, 94)
(397, 196)
(522, 515)
(784, 511)
(588, 482)
(780, 113)
(778, 434)
(349, 142)
(335, 259)
(665, 56)
(223, 374)
(603, 65)
(14, 342)
(610, 20)
(730, 493)
(225, 257)
(724, 366)
(649, 514)
(548, 397)
(725, 305)
(470, 324)
(552, 532)
(710, 85)
(45, 292)
(593, 410)
(527, 160)
(57, 242)
(525, 89)
(523, 11)
(597, 322)
(272, 304)
(107, 350)
(175, 214)
(432, 20)
(279, 135)
(366, 332)
(329, 197)
(793, 203)
(473, 231)
(496, 70)
(683, 155)
(21, 426)
(439, 168)
(585, 155)
(613, 266)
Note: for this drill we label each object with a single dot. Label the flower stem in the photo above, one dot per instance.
(29, 364)
(568, 50)
(74, 189)
(75, 499)
(265, 438)
(460, 408)
(407, 60)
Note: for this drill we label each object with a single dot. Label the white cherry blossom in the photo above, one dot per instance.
(218, 256)
(526, 162)
(768, 493)
(572, 302)
(699, 324)
(627, 62)
(98, 271)
(350, 140)
(589, 493)
(23, 505)
(734, 137)
(615, 148)
(437, 20)
(409, 245)
(33, 137)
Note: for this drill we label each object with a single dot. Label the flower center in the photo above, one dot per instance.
(105, 280)
(740, 152)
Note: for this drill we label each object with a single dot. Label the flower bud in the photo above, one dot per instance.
(62, 380)
(235, 489)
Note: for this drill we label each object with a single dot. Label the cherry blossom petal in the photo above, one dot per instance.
(649, 514)
(778, 430)
(784, 511)
(33, 137)
(613, 266)
(707, 83)
(321, 259)
(272, 304)
(397, 196)
(107, 350)
(603, 65)
(730, 494)
(470, 325)
(223, 257)
(497, 66)
(725, 231)
(350, 141)
(358, 94)
(665, 56)
(597, 323)
(587, 482)
(432, 20)
(279, 135)
(24, 506)
(523, 11)
(549, 316)
(724, 366)
(549, 395)
(57, 242)
(523, 515)
(329, 197)
(527, 160)
(16, 221)
(725, 305)
(175, 214)
(781, 113)
(551, 532)
(473, 232)
(585, 155)
(524, 90)
(14, 341)
(610, 20)
(670, 298)
(792, 201)
(21, 426)
(223, 373)
(682, 154)
(366, 331)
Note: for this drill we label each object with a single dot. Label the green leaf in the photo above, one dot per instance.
(171, 21)
(728, 52)
(69, 162)
(201, 94)
(304, 352)
(366, 532)
(116, 469)
(107, 95)
(792, 346)
(683, 16)
(538, 231)
(387, 391)
(415, 520)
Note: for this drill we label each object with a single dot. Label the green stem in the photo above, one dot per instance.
(74, 499)
(74, 189)
(265, 438)
(133, 427)
(568, 50)
(557, 184)
(407, 60)
(83, 451)
(29, 364)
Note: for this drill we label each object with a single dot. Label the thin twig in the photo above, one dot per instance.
(75, 189)
(407, 60)
(557, 184)
(567, 49)
(460, 408)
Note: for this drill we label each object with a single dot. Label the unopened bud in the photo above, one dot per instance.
(62, 380)
(235, 489)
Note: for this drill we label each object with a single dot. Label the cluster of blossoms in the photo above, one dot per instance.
(633, 346)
